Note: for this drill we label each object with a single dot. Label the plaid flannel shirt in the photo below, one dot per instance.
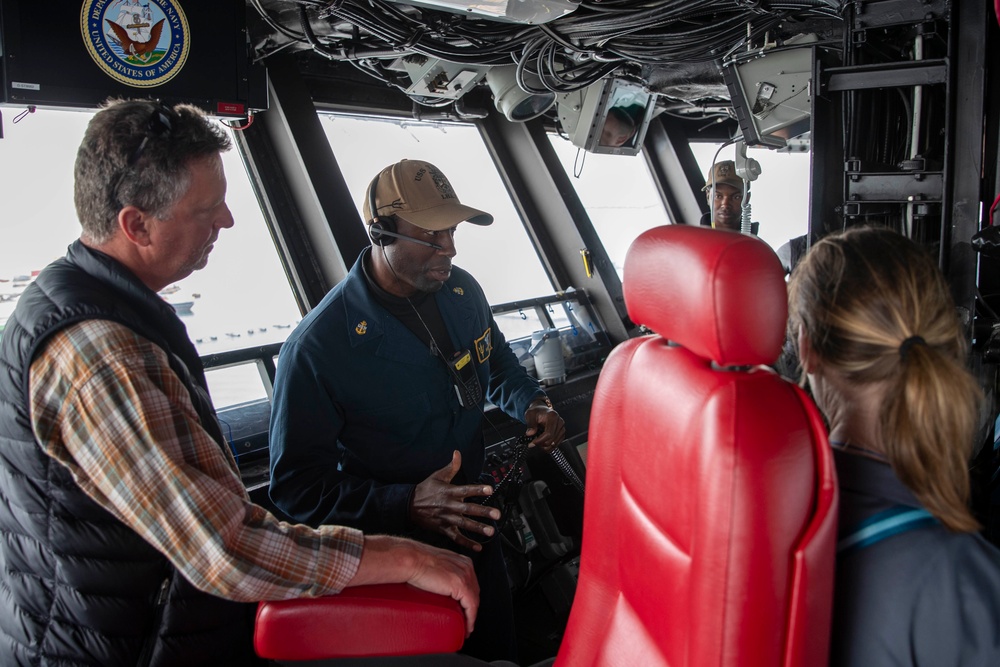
(105, 404)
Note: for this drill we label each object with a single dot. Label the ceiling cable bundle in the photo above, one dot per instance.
(563, 55)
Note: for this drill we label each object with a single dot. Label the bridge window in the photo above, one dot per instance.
(622, 202)
(238, 384)
(779, 197)
(242, 299)
(618, 193)
(501, 256)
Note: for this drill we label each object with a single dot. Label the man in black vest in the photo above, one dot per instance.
(126, 535)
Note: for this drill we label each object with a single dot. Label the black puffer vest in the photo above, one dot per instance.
(79, 587)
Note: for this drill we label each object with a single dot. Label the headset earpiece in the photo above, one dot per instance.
(379, 230)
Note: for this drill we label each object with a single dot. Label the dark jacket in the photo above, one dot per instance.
(363, 412)
(923, 597)
(79, 587)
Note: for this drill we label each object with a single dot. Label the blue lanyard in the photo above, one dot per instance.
(895, 520)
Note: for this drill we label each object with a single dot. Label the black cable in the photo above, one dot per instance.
(274, 24)
(311, 37)
(567, 470)
(580, 31)
(569, 53)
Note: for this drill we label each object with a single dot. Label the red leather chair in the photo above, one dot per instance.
(710, 512)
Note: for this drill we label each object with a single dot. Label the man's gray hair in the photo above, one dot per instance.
(137, 152)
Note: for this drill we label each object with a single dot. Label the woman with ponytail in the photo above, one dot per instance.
(881, 347)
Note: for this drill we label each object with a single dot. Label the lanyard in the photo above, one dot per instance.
(897, 519)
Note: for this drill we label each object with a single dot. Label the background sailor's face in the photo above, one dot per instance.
(726, 203)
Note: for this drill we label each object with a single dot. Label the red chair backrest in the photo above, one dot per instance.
(710, 512)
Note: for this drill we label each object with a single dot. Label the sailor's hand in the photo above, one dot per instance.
(544, 423)
(440, 506)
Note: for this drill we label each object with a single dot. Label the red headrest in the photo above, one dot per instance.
(719, 294)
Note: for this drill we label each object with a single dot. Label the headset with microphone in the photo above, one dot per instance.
(383, 231)
(463, 373)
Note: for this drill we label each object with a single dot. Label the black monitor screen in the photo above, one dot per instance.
(68, 54)
(770, 94)
(621, 117)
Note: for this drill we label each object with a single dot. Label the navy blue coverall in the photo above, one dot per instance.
(363, 412)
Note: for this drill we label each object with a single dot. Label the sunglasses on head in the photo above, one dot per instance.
(158, 126)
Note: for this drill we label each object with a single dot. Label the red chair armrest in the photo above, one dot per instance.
(383, 620)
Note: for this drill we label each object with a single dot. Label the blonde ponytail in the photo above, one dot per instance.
(876, 309)
(927, 433)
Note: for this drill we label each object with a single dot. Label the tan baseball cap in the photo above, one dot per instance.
(725, 173)
(417, 192)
